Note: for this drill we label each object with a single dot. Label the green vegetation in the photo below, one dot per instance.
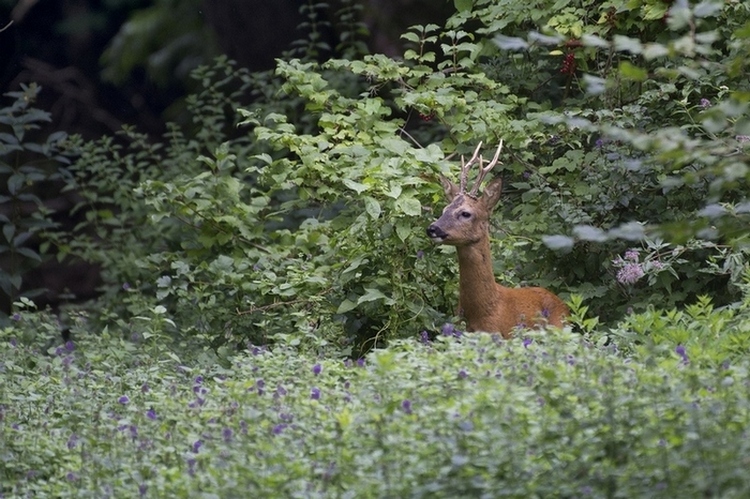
(542, 415)
(280, 238)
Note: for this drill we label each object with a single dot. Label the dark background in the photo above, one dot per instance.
(103, 64)
(63, 46)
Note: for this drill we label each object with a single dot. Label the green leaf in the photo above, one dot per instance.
(409, 205)
(29, 253)
(345, 306)
(372, 207)
(371, 294)
(463, 5)
(9, 231)
(358, 187)
(631, 72)
(403, 230)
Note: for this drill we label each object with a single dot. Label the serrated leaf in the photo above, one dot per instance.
(410, 36)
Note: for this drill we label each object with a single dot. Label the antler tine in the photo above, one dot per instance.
(465, 167)
(484, 170)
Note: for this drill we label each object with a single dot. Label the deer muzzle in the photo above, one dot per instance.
(436, 233)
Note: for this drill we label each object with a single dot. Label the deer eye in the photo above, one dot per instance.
(465, 215)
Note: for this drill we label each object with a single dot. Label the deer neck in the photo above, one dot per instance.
(479, 293)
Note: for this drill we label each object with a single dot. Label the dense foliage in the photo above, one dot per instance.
(540, 415)
(253, 258)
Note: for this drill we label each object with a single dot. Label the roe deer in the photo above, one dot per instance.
(485, 304)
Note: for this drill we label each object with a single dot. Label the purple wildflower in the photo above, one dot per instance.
(462, 374)
(633, 255)
(197, 446)
(279, 428)
(424, 337)
(680, 350)
(447, 329)
(151, 414)
(406, 406)
(317, 368)
(72, 441)
(144, 388)
(125, 286)
(361, 362)
(198, 402)
(527, 342)
(191, 466)
(705, 103)
(16, 317)
(630, 273)
(315, 393)
(123, 400)
(227, 434)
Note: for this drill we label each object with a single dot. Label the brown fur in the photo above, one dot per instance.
(486, 305)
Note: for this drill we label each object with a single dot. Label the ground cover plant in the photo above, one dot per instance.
(542, 415)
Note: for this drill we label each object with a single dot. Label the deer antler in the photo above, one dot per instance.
(465, 167)
(484, 170)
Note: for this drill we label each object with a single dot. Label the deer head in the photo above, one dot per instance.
(465, 220)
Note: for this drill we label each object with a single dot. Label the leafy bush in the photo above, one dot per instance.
(311, 226)
(29, 164)
(546, 415)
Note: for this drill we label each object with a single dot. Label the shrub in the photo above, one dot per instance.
(311, 225)
(32, 163)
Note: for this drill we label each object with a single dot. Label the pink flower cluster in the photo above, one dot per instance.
(630, 269)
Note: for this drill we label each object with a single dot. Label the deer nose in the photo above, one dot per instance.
(435, 232)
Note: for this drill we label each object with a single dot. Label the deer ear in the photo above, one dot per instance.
(451, 190)
(491, 193)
